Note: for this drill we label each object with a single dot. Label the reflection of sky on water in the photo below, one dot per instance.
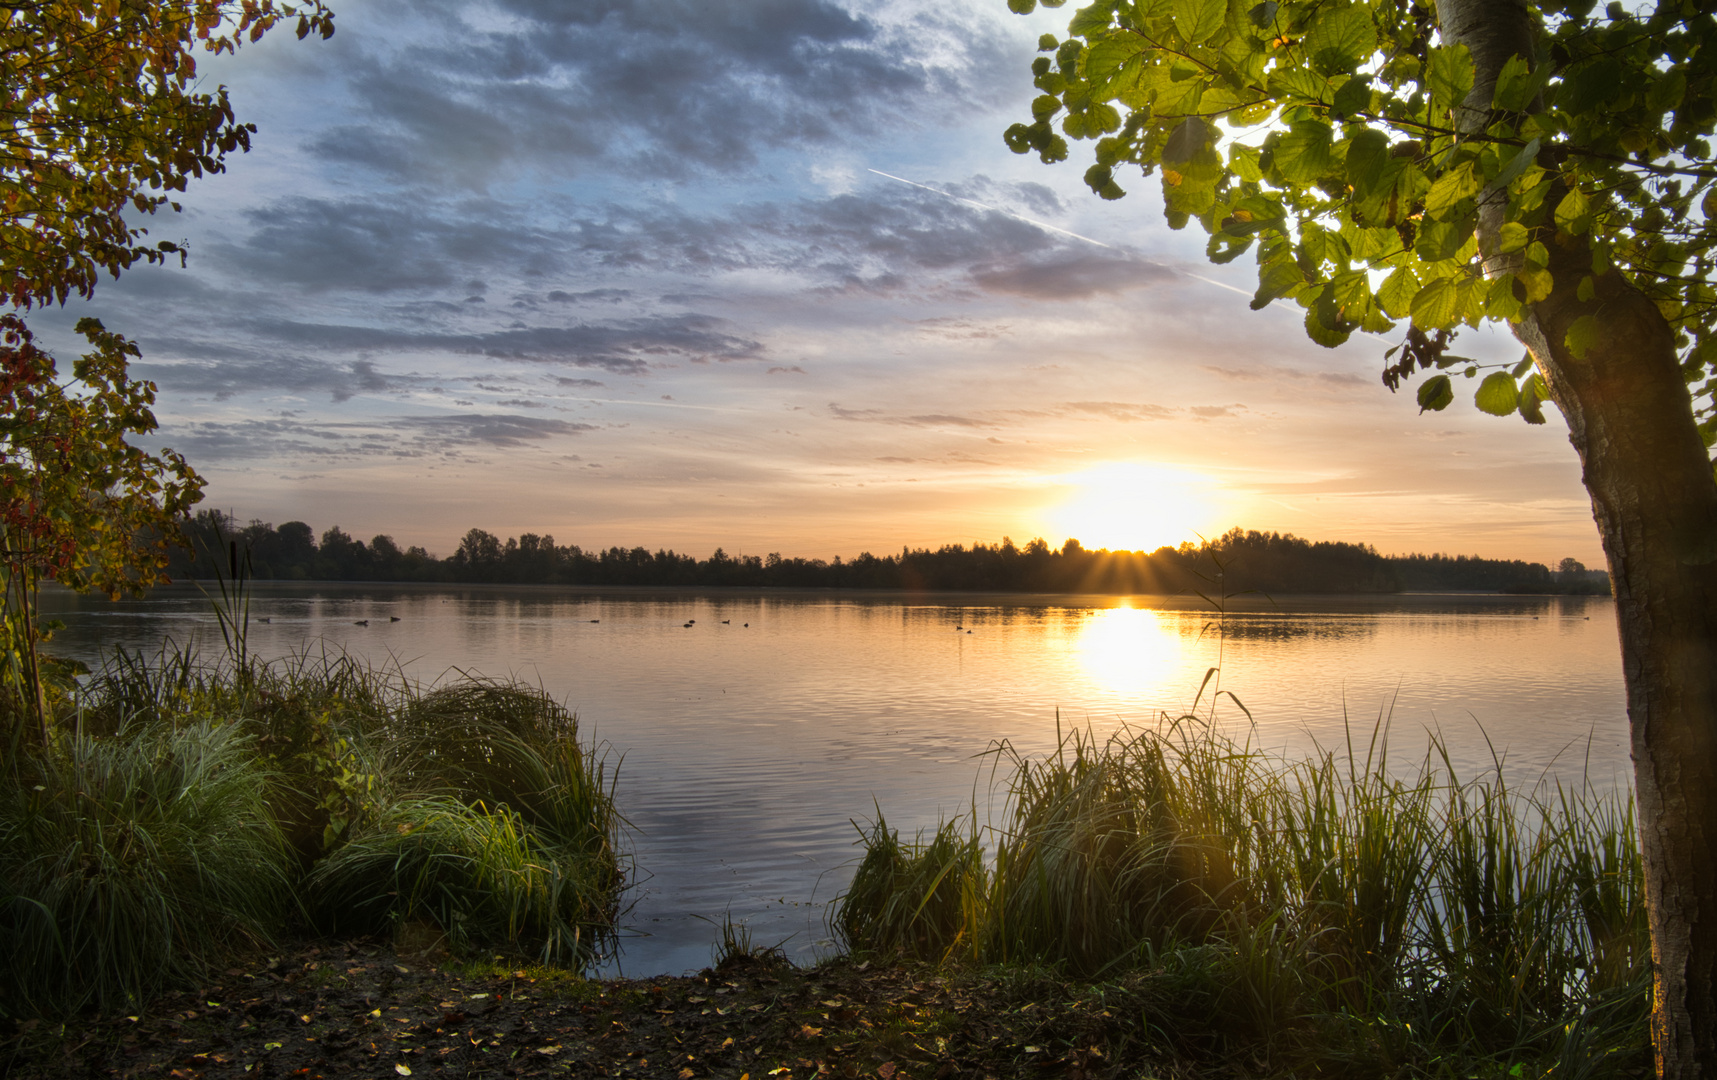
(746, 751)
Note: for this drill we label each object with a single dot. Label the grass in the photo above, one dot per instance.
(1336, 910)
(188, 808)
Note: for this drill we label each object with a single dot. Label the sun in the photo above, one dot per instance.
(1138, 506)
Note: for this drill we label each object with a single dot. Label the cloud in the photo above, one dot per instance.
(233, 374)
(1073, 275)
(401, 436)
(382, 242)
(664, 87)
(627, 347)
(1123, 410)
(877, 416)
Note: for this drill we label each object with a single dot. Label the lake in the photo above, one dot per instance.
(750, 741)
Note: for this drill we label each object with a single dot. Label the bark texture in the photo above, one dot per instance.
(1630, 417)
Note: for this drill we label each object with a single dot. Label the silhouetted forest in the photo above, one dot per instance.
(1238, 561)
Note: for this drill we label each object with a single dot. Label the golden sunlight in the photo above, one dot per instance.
(1129, 650)
(1137, 506)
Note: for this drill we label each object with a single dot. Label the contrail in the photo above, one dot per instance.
(993, 209)
(1087, 239)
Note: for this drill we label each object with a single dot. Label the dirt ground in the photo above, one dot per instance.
(356, 1010)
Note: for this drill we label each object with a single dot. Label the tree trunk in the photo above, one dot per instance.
(1630, 417)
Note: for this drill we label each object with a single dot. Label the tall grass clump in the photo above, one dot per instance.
(127, 863)
(1337, 907)
(187, 807)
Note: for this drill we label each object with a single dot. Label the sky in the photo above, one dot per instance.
(758, 275)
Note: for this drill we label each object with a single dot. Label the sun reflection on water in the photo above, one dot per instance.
(1129, 650)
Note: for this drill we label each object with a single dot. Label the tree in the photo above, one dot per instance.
(81, 505)
(1400, 167)
(102, 120)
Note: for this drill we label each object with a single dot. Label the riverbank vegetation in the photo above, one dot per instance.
(1167, 904)
(185, 811)
(1338, 914)
(1265, 562)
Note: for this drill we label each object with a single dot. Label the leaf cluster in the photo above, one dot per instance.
(1340, 141)
(80, 504)
(101, 116)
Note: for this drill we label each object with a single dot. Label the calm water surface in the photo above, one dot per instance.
(750, 741)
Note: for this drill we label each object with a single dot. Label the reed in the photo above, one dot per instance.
(189, 807)
(1336, 907)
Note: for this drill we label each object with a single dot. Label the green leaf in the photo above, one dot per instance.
(1263, 14)
(1533, 394)
(1187, 139)
(1104, 60)
(1367, 153)
(1022, 7)
(1243, 160)
(1436, 393)
(1581, 336)
(1325, 335)
(1439, 240)
(1450, 77)
(1341, 39)
(1278, 277)
(1497, 395)
(1353, 97)
(1396, 293)
(1089, 20)
(1516, 165)
(1198, 19)
(1512, 237)
(1101, 179)
(1526, 364)
(1451, 189)
(1302, 154)
(1434, 306)
(1045, 106)
(1571, 212)
(1514, 85)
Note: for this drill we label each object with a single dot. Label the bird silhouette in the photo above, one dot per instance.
(362, 622)
(393, 618)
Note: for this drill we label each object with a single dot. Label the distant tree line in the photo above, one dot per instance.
(1237, 561)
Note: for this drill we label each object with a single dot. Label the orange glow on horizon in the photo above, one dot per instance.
(1138, 506)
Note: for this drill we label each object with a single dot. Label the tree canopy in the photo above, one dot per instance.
(1336, 140)
(1543, 166)
(104, 120)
